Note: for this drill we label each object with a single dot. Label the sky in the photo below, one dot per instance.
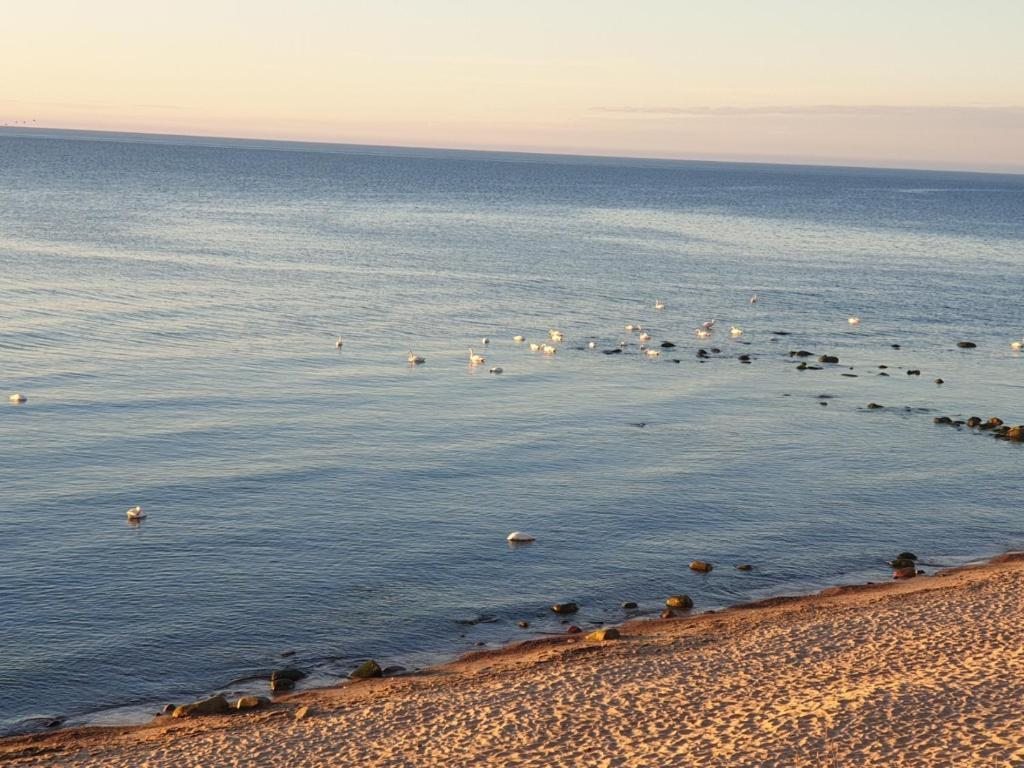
(906, 83)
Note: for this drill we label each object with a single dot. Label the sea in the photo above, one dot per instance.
(170, 306)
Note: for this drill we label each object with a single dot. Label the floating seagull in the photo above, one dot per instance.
(17, 397)
(734, 331)
(633, 327)
(708, 325)
(496, 369)
(135, 513)
(659, 304)
(485, 340)
(518, 339)
(339, 343)
(547, 349)
(645, 336)
(415, 359)
(591, 344)
(1013, 345)
(853, 320)
(702, 333)
(652, 352)
(519, 536)
(753, 299)
(475, 359)
(556, 335)
(535, 346)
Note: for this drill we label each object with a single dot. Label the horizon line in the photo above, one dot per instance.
(38, 131)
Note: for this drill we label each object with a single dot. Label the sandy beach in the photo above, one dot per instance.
(924, 672)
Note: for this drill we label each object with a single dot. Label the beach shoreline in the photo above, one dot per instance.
(745, 686)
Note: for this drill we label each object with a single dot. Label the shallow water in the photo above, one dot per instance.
(170, 309)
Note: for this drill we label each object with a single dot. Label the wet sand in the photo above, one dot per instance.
(926, 672)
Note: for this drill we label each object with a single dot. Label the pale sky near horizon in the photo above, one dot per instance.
(910, 83)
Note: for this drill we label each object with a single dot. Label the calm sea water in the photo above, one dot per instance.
(170, 307)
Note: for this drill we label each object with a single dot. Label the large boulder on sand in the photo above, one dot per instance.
(679, 602)
(367, 669)
(215, 705)
(605, 633)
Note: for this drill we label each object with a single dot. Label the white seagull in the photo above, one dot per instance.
(1018, 345)
(659, 304)
(708, 325)
(734, 331)
(853, 320)
(518, 339)
(475, 359)
(753, 299)
(17, 397)
(339, 343)
(415, 359)
(135, 513)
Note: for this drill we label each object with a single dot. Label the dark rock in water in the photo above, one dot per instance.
(215, 705)
(629, 606)
(680, 602)
(638, 424)
(286, 654)
(522, 624)
(872, 406)
(667, 345)
(394, 669)
(676, 360)
(800, 353)
(939, 381)
(822, 403)
(288, 673)
(1016, 434)
(973, 421)
(825, 397)
(716, 351)
(284, 684)
(914, 372)
(942, 420)
(966, 344)
(780, 333)
(573, 630)
(828, 359)
(612, 351)
(564, 608)
(904, 573)
(702, 566)
(802, 367)
(895, 346)
(883, 373)
(903, 562)
(849, 375)
(744, 358)
(907, 556)
(744, 567)
(883, 366)
(702, 353)
(366, 670)
(994, 422)
(958, 423)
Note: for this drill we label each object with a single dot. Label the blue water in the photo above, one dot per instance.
(170, 306)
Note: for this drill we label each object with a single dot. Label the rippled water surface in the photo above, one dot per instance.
(169, 307)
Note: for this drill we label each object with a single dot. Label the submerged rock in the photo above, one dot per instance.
(565, 608)
(702, 566)
(828, 359)
(873, 406)
(966, 344)
(942, 420)
(679, 602)
(629, 606)
(667, 345)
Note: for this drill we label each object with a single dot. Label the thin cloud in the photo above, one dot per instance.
(817, 110)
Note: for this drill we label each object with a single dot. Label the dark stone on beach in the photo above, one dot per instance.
(606, 633)
(283, 684)
(302, 713)
(942, 420)
(288, 673)
(828, 359)
(215, 705)
(367, 669)
(907, 556)
(573, 630)
(744, 567)
(667, 345)
(701, 566)
(873, 406)
(973, 421)
(629, 606)
(966, 344)
(522, 624)
(1016, 434)
(564, 608)
(394, 669)
(680, 602)
(250, 702)
(914, 372)
(612, 351)
(939, 381)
